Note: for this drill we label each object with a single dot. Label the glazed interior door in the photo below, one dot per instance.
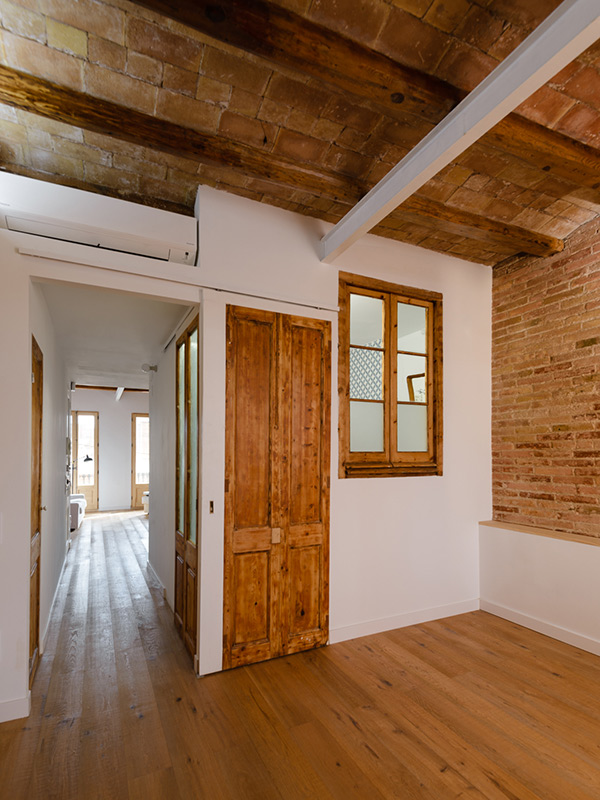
(37, 380)
(140, 458)
(85, 456)
(186, 515)
(276, 485)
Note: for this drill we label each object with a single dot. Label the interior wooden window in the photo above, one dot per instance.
(390, 379)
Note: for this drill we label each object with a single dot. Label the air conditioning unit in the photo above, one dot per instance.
(72, 215)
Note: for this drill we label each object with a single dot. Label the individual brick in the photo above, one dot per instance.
(67, 38)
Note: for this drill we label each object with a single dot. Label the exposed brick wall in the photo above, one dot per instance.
(546, 389)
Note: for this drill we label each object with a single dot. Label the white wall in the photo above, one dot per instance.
(547, 584)
(54, 456)
(114, 441)
(402, 549)
(68, 263)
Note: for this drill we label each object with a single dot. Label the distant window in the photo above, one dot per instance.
(390, 379)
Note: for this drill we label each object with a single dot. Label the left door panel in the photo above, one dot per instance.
(186, 514)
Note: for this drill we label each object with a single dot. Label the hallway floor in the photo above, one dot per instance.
(470, 706)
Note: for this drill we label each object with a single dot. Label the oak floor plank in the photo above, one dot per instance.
(471, 706)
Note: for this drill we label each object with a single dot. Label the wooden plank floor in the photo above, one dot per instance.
(467, 707)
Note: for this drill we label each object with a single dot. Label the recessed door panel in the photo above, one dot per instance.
(253, 396)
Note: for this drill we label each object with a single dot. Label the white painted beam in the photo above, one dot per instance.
(567, 32)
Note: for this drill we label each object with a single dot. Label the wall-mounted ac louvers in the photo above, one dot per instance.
(72, 215)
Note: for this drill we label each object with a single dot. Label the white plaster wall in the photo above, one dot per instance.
(59, 262)
(402, 549)
(15, 482)
(114, 441)
(54, 437)
(549, 585)
(162, 471)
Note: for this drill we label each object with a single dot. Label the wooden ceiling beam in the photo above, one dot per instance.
(289, 40)
(285, 38)
(41, 97)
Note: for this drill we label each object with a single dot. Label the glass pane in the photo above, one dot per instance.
(411, 378)
(181, 444)
(366, 320)
(193, 422)
(366, 374)
(412, 429)
(366, 427)
(86, 424)
(142, 450)
(412, 328)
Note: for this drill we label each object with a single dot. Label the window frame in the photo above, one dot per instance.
(391, 462)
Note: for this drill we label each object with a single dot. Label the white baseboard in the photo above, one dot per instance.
(401, 620)
(15, 709)
(541, 626)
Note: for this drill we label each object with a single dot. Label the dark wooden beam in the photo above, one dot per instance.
(50, 100)
(286, 38)
(457, 221)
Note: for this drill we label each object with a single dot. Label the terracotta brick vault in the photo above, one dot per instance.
(546, 388)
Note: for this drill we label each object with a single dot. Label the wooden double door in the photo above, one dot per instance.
(276, 581)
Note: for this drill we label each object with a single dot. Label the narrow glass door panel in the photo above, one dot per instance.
(142, 449)
(193, 440)
(86, 438)
(181, 438)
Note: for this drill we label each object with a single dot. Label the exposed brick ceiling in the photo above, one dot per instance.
(312, 144)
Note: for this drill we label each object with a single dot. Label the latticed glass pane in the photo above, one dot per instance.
(412, 428)
(412, 328)
(366, 374)
(142, 450)
(366, 427)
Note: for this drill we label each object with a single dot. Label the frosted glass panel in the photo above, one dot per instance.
(366, 320)
(181, 443)
(412, 429)
(412, 328)
(411, 378)
(366, 374)
(193, 391)
(366, 427)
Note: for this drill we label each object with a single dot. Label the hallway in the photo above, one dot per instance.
(470, 706)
